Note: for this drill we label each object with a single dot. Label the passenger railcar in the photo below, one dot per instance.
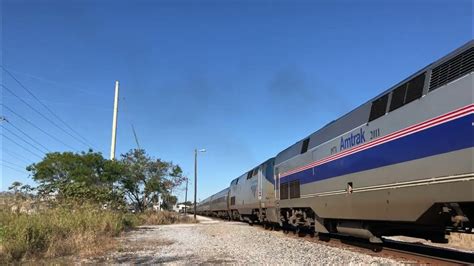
(219, 204)
(203, 207)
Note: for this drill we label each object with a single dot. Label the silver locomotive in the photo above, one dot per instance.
(399, 164)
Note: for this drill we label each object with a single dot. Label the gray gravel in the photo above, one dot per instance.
(218, 242)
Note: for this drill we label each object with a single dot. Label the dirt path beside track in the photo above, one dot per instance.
(217, 242)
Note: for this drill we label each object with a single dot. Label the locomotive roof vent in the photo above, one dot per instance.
(452, 69)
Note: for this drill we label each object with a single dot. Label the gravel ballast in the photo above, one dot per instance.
(218, 242)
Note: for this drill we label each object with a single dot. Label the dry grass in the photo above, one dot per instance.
(63, 231)
(163, 217)
(59, 232)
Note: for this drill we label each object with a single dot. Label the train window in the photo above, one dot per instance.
(284, 191)
(255, 171)
(407, 92)
(232, 200)
(249, 174)
(304, 148)
(378, 108)
(398, 97)
(275, 177)
(415, 88)
(295, 189)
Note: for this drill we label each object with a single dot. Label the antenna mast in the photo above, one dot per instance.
(135, 135)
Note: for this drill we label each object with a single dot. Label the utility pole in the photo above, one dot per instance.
(186, 197)
(195, 177)
(114, 122)
(195, 181)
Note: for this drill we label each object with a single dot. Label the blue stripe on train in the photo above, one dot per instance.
(451, 136)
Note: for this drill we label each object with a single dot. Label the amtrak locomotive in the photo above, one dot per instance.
(399, 164)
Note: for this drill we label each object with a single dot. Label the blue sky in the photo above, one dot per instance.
(243, 79)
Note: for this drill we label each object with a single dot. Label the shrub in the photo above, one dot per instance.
(59, 231)
(163, 217)
(66, 230)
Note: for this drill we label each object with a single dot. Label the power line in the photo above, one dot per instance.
(87, 142)
(28, 136)
(25, 141)
(42, 115)
(17, 165)
(14, 169)
(37, 127)
(16, 155)
(83, 105)
(26, 149)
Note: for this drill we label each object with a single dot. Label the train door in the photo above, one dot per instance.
(260, 183)
(276, 212)
(277, 186)
(228, 203)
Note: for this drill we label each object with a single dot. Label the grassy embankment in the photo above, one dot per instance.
(64, 231)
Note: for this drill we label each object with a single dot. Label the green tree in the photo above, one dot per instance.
(26, 189)
(25, 192)
(15, 186)
(145, 178)
(81, 177)
(168, 201)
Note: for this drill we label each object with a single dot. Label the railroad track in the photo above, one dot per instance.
(403, 251)
(430, 252)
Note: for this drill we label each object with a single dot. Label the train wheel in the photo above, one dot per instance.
(296, 231)
(301, 233)
(377, 248)
(324, 237)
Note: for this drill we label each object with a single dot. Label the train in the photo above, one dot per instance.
(399, 164)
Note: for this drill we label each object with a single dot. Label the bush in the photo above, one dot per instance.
(163, 217)
(67, 230)
(59, 231)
